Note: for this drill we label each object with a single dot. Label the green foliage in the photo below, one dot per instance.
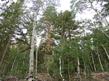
(89, 49)
(9, 24)
(11, 57)
(50, 14)
(18, 62)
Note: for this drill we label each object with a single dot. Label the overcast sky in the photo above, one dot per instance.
(64, 5)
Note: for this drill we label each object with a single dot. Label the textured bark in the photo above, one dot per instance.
(31, 62)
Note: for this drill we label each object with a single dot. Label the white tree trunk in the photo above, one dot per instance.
(31, 61)
(36, 62)
(60, 68)
(37, 49)
(31, 76)
(78, 69)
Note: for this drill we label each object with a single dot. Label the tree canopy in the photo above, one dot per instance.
(39, 40)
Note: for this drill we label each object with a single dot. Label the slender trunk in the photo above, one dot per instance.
(31, 57)
(3, 71)
(105, 34)
(106, 51)
(31, 67)
(84, 72)
(78, 69)
(68, 71)
(36, 62)
(60, 63)
(101, 65)
(31, 61)
(37, 49)
(4, 53)
(89, 67)
(13, 64)
(93, 62)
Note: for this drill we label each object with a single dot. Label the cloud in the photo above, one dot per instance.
(64, 5)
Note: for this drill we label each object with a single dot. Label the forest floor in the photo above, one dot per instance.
(101, 76)
(104, 76)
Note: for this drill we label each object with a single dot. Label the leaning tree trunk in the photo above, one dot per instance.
(4, 52)
(106, 52)
(13, 64)
(101, 65)
(93, 62)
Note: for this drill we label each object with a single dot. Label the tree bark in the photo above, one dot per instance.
(31, 61)
(31, 76)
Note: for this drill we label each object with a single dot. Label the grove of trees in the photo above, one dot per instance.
(38, 39)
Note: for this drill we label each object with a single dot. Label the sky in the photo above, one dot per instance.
(86, 14)
(64, 5)
(14, 0)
